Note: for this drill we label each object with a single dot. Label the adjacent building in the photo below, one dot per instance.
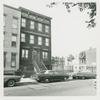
(35, 40)
(11, 18)
(58, 63)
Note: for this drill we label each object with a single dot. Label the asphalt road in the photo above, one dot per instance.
(68, 88)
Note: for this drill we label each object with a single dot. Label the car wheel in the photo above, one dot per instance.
(83, 78)
(11, 83)
(76, 77)
(46, 80)
(73, 77)
(38, 80)
(65, 78)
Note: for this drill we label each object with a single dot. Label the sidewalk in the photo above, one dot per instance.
(28, 80)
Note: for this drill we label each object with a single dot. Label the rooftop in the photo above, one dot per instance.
(11, 7)
(21, 8)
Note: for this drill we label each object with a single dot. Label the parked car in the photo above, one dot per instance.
(84, 75)
(50, 76)
(10, 80)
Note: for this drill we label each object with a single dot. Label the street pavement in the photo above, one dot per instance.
(67, 88)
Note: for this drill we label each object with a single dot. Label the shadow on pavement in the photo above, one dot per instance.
(22, 84)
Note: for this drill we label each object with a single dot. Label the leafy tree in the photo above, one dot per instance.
(81, 6)
(70, 58)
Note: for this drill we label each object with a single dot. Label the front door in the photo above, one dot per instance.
(36, 60)
(36, 56)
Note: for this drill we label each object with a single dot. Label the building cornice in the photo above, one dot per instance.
(11, 7)
(24, 9)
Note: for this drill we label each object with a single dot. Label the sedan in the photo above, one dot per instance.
(10, 80)
(84, 75)
(50, 76)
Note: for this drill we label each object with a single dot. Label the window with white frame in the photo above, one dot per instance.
(32, 39)
(39, 40)
(44, 55)
(40, 27)
(32, 24)
(15, 23)
(22, 37)
(24, 53)
(46, 41)
(46, 28)
(13, 60)
(14, 40)
(23, 22)
(5, 58)
(4, 20)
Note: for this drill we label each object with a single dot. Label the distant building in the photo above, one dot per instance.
(35, 44)
(69, 67)
(58, 63)
(87, 60)
(11, 41)
(76, 64)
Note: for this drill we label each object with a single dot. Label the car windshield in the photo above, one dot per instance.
(49, 72)
(89, 73)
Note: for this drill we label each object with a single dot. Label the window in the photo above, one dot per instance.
(22, 37)
(13, 60)
(24, 53)
(31, 39)
(40, 27)
(23, 22)
(32, 25)
(39, 40)
(44, 55)
(14, 40)
(4, 35)
(4, 20)
(46, 29)
(47, 42)
(15, 23)
(5, 54)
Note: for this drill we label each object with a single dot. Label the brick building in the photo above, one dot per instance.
(35, 44)
(11, 18)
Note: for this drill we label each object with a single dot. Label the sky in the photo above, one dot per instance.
(68, 30)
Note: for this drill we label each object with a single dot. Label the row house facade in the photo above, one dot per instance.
(35, 39)
(27, 38)
(11, 41)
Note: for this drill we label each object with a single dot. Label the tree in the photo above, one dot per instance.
(91, 6)
(70, 58)
(82, 57)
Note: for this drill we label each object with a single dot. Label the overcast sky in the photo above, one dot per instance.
(69, 32)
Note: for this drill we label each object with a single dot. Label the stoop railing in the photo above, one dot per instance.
(39, 67)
